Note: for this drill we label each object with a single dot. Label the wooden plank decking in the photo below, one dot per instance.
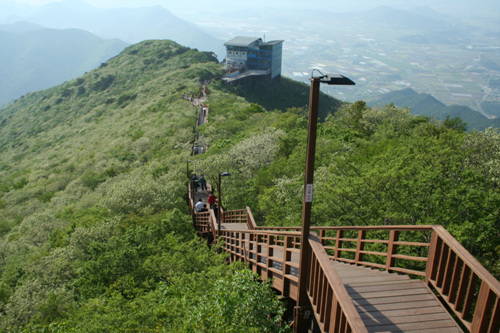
(394, 303)
(234, 226)
(386, 302)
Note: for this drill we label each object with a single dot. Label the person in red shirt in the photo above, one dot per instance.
(211, 200)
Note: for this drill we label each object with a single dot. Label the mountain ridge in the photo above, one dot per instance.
(126, 24)
(36, 58)
(428, 105)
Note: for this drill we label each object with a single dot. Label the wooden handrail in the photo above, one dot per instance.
(235, 216)
(381, 247)
(332, 305)
(190, 199)
(275, 259)
(469, 290)
(250, 220)
(213, 223)
(462, 282)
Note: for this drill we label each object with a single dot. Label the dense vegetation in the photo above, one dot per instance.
(94, 231)
(374, 166)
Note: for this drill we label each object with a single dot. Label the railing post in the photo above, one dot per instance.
(360, 246)
(322, 234)
(338, 244)
(484, 304)
(432, 257)
(270, 251)
(392, 249)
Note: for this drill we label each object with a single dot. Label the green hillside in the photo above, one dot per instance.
(95, 234)
(92, 212)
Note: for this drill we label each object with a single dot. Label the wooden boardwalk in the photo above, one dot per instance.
(386, 302)
(352, 288)
(389, 302)
(383, 297)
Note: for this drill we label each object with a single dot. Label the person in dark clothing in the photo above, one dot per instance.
(194, 182)
(203, 183)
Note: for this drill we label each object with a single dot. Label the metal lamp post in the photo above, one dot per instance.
(219, 203)
(302, 311)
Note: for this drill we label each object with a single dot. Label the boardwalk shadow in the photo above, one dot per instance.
(373, 318)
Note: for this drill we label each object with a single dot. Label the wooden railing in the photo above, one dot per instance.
(235, 216)
(425, 252)
(332, 305)
(270, 254)
(468, 289)
(274, 255)
(466, 286)
(203, 222)
(250, 220)
(401, 249)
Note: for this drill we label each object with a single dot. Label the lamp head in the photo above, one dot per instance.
(336, 79)
(225, 173)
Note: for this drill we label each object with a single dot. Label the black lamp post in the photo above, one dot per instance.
(302, 310)
(219, 203)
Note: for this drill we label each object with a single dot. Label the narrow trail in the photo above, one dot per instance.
(350, 288)
(199, 143)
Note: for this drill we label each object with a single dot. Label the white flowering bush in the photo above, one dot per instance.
(255, 152)
(137, 193)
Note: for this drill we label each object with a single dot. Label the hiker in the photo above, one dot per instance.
(194, 182)
(199, 205)
(211, 200)
(203, 183)
(205, 208)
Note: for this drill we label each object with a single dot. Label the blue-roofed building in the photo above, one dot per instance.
(252, 59)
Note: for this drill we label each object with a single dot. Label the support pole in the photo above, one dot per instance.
(302, 311)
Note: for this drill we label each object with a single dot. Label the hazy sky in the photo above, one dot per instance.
(331, 5)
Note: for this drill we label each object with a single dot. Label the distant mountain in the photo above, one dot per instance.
(9, 11)
(129, 24)
(427, 105)
(428, 25)
(34, 58)
(20, 26)
(404, 19)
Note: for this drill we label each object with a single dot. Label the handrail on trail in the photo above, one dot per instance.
(332, 305)
(274, 255)
(462, 282)
(426, 252)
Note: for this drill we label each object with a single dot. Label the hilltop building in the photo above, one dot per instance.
(250, 61)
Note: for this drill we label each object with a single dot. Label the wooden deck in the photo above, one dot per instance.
(234, 226)
(386, 302)
(353, 294)
(389, 302)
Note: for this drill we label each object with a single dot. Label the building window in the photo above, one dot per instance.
(236, 53)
